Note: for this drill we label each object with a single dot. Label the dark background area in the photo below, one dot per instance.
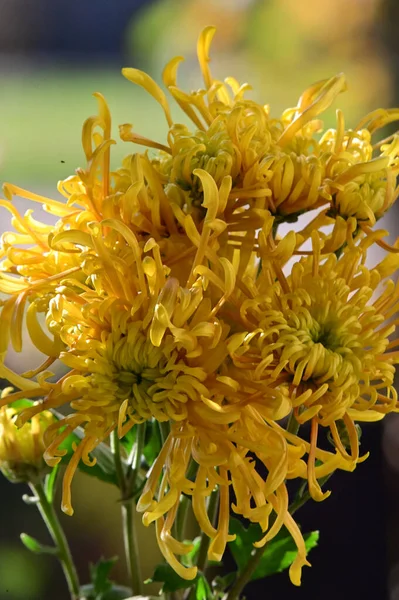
(53, 54)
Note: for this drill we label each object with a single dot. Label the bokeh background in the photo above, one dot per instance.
(53, 55)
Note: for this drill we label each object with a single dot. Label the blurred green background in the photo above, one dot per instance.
(279, 46)
(54, 54)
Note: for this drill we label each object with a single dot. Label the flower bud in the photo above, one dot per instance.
(21, 449)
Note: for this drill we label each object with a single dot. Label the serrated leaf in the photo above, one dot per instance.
(99, 575)
(36, 547)
(170, 579)
(50, 483)
(279, 553)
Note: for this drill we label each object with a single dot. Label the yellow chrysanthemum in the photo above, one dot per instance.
(142, 343)
(281, 164)
(319, 333)
(164, 289)
(22, 449)
(141, 346)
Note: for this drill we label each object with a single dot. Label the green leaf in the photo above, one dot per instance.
(36, 547)
(21, 403)
(101, 587)
(128, 440)
(152, 445)
(189, 559)
(50, 483)
(170, 579)
(202, 589)
(279, 553)
(153, 442)
(99, 574)
(116, 592)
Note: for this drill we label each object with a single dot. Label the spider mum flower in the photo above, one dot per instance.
(142, 344)
(363, 175)
(106, 319)
(163, 287)
(281, 164)
(322, 334)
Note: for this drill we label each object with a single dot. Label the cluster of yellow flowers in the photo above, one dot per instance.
(166, 290)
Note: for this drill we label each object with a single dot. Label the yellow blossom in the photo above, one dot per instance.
(165, 290)
(320, 333)
(143, 340)
(142, 343)
(21, 449)
(282, 164)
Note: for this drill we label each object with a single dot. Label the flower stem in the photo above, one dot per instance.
(204, 544)
(292, 425)
(135, 458)
(184, 509)
(131, 548)
(164, 430)
(245, 576)
(116, 451)
(181, 520)
(126, 485)
(205, 541)
(54, 527)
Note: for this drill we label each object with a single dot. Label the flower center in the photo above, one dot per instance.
(156, 381)
(326, 336)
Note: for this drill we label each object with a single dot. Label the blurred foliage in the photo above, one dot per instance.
(42, 117)
(279, 46)
(22, 576)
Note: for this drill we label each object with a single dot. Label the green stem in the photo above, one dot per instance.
(181, 520)
(137, 453)
(131, 548)
(292, 425)
(164, 430)
(116, 451)
(126, 482)
(184, 509)
(246, 575)
(54, 527)
(205, 541)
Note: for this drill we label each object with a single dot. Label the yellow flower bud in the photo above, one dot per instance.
(21, 449)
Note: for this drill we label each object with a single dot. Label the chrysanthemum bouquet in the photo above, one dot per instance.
(215, 366)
